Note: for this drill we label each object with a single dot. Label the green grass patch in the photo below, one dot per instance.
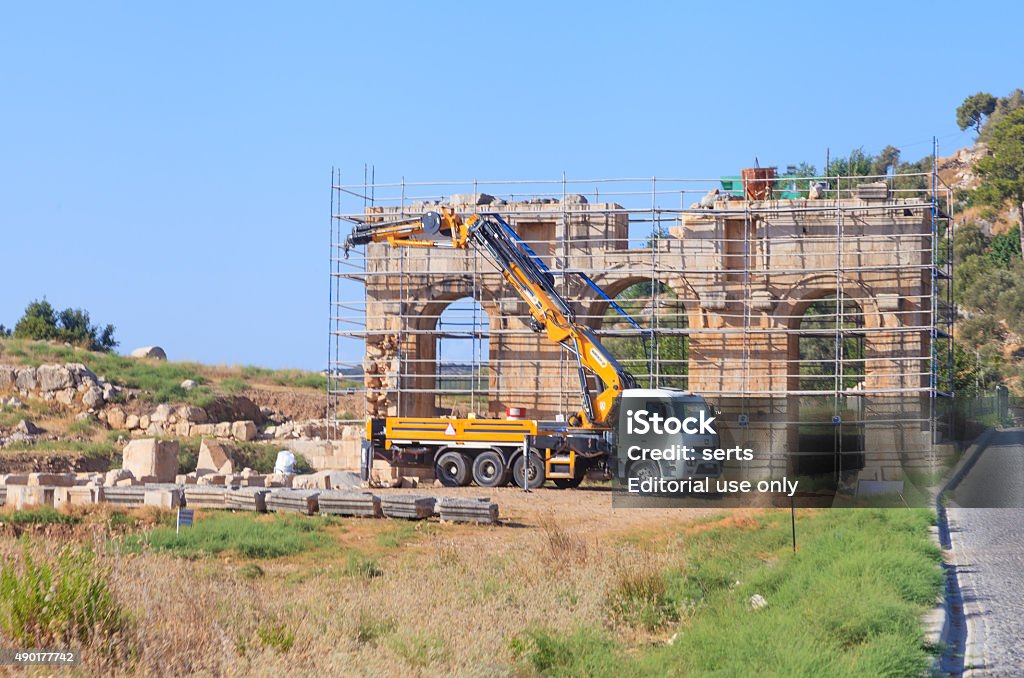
(43, 515)
(397, 535)
(94, 449)
(84, 426)
(248, 536)
(848, 602)
(233, 385)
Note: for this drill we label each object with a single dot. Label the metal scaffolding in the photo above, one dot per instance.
(713, 282)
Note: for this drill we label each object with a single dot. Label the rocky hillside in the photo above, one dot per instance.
(58, 402)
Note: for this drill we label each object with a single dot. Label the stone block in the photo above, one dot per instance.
(409, 506)
(149, 457)
(183, 429)
(243, 430)
(163, 498)
(114, 475)
(360, 504)
(131, 422)
(214, 456)
(211, 479)
(222, 429)
(204, 429)
(205, 497)
(14, 479)
(467, 510)
(24, 496)
(116, 418)
(51, 479)
(77, 496)
(294, 501)
(126, 482)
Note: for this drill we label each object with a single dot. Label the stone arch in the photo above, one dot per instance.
(789, 314)
(421, 361)
(672, 349)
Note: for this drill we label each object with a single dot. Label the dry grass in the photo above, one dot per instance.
(390, 599)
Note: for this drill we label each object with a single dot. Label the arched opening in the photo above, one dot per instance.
(830, 359)
(462, 350)
(657, 355)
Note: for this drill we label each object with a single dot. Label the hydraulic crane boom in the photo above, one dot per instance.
(550, 312)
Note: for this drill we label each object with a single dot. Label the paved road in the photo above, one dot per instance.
(989, 547)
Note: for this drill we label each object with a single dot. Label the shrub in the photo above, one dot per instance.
(361, 566)
(276, 636)
(72, 325)
(369, 629)
(640, 599)
(251, 571)
(60, 604)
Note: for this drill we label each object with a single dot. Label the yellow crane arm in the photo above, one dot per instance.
(530, 278)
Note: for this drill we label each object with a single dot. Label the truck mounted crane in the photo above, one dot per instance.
(488, 451)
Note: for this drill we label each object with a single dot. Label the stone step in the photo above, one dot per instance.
(467, 510)
(294, 501)
(410, 506)
(360, 504)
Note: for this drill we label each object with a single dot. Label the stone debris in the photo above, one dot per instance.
(28, 428)
(294, 501)
(359, 504)
(247, 499)
(205, 497)
(150, 457)
(459, 510)
(410, 506)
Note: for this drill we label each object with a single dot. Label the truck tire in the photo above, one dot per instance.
(490, 469)
(534, 472)
(567, 483)
(452, 469)
(643, 470)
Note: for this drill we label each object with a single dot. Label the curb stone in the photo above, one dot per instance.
(953, 624)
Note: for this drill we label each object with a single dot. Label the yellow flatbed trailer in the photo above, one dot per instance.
(487, 451)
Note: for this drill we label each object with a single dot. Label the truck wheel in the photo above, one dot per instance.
(645, 469)
(534, 471)
(567, 483)
(490, 470)
(452, 469)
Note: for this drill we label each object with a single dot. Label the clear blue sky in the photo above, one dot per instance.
(167, 165)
